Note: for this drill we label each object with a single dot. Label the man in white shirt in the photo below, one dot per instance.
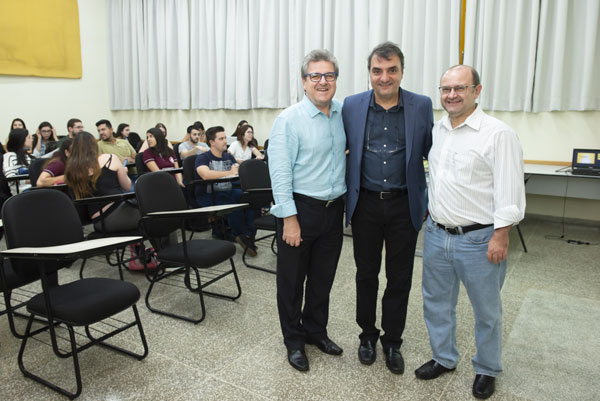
(476, 194)
(194, 145)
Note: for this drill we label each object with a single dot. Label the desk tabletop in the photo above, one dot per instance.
(553, 170)
(218, 209)
(18, 177)
(68, 250)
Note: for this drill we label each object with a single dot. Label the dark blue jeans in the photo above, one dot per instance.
(240, 221)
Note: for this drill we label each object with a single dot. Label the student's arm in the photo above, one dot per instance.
(121, 170)
(152, 166)
(257, 153)
(207, 174)
(179, 176)
(189, 152)
(47, 180)
(10, 165)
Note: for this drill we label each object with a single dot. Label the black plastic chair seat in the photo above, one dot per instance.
(114, 296)
(202, 253)
(267, 222)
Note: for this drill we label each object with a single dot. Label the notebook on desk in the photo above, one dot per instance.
(586, 162)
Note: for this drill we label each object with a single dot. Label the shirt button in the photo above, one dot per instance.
(384, 162)
(384, 180)
(385, 146)
(385, 128)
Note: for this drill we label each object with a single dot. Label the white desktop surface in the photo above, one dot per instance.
(552, 180)
(69, 249)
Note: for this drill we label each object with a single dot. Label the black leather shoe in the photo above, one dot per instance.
(366, 352)
(394, 360)
(483, 386)
(327, 346)
(431, 370)
(297, 358)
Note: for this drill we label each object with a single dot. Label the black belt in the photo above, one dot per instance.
(386, 194)
(462, 230)
(316, 202)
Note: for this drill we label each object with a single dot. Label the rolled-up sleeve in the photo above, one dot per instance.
(282, 152)
(509, 183)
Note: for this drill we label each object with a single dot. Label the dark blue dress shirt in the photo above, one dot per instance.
(384, 150)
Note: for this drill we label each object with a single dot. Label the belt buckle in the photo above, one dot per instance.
(382, 195)
(453, 230)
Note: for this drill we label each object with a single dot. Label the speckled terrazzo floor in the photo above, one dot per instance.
(551, 301)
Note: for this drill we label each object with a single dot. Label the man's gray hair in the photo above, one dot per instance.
(318, 55)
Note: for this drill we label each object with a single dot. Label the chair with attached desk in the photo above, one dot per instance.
(39, 244)
(256, 187)
(35, 169)
(164, 210)
(140, 165)
(199, 223)
(82, 206)
(14, 296)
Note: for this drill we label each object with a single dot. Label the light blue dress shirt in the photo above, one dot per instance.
(307, 155)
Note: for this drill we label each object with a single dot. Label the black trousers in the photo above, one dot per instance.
(374, 222)
(315, 261)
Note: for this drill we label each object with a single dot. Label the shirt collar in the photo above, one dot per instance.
(312, 110)
(473, 121)
(399, 105)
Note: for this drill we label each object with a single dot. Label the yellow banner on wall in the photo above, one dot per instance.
(40, 38)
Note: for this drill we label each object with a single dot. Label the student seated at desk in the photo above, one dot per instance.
(54, 169)
(245, 146)
(217, 164)
(16, 160)
(90, 174)
(159, 156)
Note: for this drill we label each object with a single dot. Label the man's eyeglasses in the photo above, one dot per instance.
(458, 89)
(316, 76)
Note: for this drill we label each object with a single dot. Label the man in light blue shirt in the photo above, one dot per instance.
(307, 163)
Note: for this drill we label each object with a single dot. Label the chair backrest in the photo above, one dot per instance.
(159, 192)
(189, 164)
(4, 187)
(44, 217)
(140, 165)
(177, 155)
(35, 169)
(135, 141)
(265, 147)
(254, 174)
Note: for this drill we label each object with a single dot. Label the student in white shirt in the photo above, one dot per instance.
(245, 146)
(16, 160)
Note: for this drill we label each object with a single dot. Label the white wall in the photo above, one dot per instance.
(544, 136)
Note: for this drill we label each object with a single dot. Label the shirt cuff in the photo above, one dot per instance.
(285, 209)
(507, 216)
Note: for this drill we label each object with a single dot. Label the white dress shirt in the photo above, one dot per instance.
(476, 173)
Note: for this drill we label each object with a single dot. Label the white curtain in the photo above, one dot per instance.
(500, 42)
(248, 54)
(148, 54)
(126, 50)
(535, 55)
(242, 54)
(568, 57)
